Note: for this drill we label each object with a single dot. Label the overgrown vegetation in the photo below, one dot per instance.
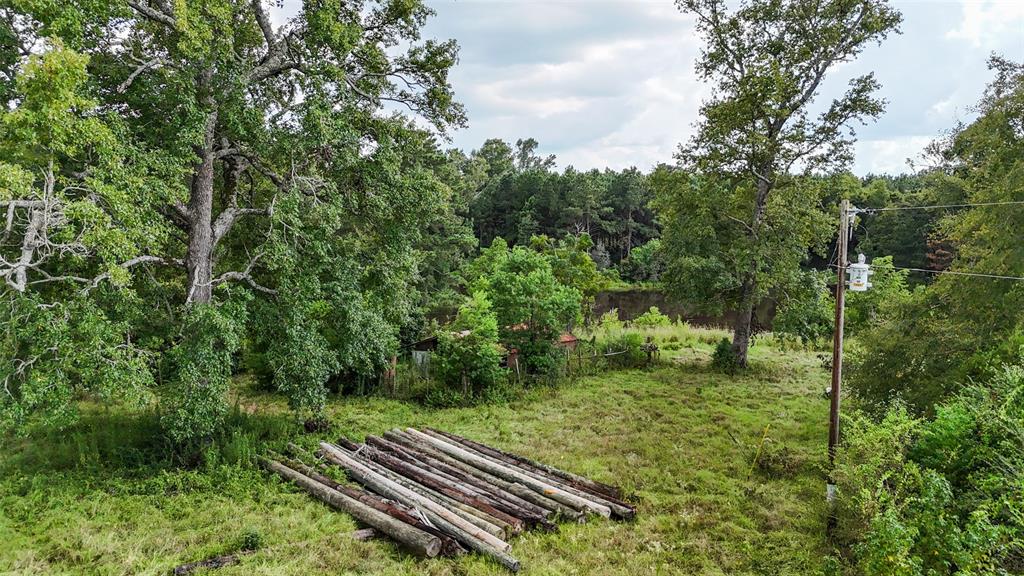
(107, 496)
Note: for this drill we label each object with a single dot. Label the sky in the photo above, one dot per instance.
(611, 83)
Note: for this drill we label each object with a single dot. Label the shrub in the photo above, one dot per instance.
(651, 319)
(468, 354)
(627, 350)
(723, 359)
(531, 305)
(609, 321)
(197, 402)
(937, 496)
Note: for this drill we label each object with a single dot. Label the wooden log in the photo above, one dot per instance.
(613, 493)
(531, 514)
(445, 520)
(416, 540)
(380, 479)
(619, 509)
(478, 518)
(364, 534)
(449, 546)
(462, 482)
(513, 488)
(453, 490)
(512, 475)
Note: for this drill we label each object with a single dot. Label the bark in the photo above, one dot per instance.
(493, 526)
(416, 540)
(442, 518)
(612, 494)
(452, 489)
(513, 488)
(748, 289)
(618, 508)
(594, 486)
(744, 321)
(449, 547)
(199, 258)
(532, 514)
(502, 471)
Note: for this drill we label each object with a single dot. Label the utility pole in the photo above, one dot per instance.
(837, 340)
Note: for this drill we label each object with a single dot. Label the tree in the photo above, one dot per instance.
(227, 157)
(531, 306)
(960, 328)
(767, 60)
(468, 354)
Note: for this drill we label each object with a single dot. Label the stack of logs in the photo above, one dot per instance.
(438, 493)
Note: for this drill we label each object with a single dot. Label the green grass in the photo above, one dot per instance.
(106, 498)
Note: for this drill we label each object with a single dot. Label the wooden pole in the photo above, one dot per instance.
(837, 341)
(414, 539)
(502, 471)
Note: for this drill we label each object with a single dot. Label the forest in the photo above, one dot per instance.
(222, 235)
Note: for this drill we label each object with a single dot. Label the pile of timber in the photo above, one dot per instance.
(436, 493)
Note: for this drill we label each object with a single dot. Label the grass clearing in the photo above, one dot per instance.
(678, 437)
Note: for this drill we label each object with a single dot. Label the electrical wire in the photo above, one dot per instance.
(953, 272)
(938, 206)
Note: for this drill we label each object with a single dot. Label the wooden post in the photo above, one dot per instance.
(837, 341)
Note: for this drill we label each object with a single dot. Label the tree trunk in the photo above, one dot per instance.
(199, 259)
(744, 320)
(748, 290)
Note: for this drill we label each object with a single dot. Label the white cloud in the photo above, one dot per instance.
(890, 155)
(986, 22)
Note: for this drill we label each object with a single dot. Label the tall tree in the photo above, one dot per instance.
(250, 158)
(767, 60)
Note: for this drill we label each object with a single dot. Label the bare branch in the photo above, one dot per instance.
(142, 68)
(160, 16)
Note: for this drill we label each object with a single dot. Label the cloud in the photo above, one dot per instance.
(889, 156)
(986, 22)
(611, 83)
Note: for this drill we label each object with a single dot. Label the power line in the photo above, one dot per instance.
(953, 272)
(938, 206)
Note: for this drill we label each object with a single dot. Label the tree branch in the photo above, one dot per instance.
(142, 68)
(154, 14)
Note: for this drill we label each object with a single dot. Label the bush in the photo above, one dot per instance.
(627, 349)
(651, 319)
(609, 321)
(938, 496)
(197, 401)
(468, 354)
(723, 359)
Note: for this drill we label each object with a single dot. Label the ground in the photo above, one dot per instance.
(680, 438)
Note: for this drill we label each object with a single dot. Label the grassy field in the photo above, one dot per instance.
(105, 498)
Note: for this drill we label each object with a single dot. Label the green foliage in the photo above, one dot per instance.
(624, 350)
(514, 193)
(651, 319)
(196, 402)
(609, 322)
(738, 218)
(646, 262)
(939, 496)
(468, 354)
(806, 311)
(889, 289)
(572, 264)
(723, 359)
(61, 352)
(531, 306)
(926, 345)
